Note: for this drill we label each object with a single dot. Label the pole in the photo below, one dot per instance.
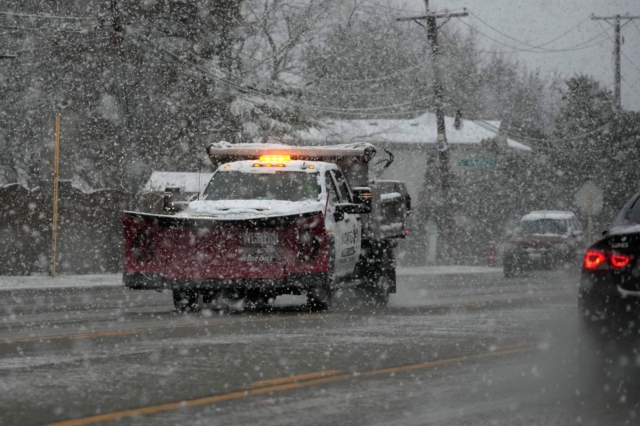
(56, 175)
(617, 50)
(128, 151)
(443, 220)
(618, 97)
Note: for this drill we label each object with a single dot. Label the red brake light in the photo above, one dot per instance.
(620, 260)
(593, 258)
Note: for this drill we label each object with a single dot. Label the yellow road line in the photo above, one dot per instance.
(286, 383)
(130, 331)
(290, 379)
(440, 362)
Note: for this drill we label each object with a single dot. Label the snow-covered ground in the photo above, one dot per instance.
(115, 280)
(61, 281)
(447, 270)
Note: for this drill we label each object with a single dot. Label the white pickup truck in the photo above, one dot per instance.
(274, 219)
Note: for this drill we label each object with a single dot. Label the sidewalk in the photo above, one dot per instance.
(447, 270)
(61, 281)
(115, 280)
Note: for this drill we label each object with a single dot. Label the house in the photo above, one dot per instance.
(189, 184)
(411, 139)
(474, 147)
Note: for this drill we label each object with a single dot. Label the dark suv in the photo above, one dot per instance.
(610, 283)
(543, 240)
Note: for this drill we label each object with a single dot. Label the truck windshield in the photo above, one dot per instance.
(287, 186)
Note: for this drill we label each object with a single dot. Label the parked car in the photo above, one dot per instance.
(610, 281)
(543, 240)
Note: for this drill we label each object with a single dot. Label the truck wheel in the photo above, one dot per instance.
(319, 298)
(256, 301)
(381, 290)
(185, 300)
(376, 290)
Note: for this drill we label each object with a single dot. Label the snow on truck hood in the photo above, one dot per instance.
(249, 209)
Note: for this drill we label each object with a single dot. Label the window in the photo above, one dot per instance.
(333, 194)
(544, 226)
(287, 186)
(342, 186)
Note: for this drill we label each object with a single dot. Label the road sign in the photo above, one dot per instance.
(589, 199)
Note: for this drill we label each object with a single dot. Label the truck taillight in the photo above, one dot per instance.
(593, 259)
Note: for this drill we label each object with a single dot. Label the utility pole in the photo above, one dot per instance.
(618, 72)
(56, 176)
(444, 218)
(128, 151)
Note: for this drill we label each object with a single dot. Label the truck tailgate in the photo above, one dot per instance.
(203, 249)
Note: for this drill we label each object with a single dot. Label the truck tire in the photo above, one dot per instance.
(379, 277)
(185, 300)
(256, 301)
(380, 289)
(319, 298)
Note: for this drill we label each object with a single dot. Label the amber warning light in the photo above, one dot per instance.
(275, 158)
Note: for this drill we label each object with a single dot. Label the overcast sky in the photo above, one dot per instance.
(536, 22)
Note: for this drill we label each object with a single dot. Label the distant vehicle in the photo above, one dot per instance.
(610, 281)
(543, 240)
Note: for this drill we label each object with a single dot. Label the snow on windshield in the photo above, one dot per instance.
(284, 185)
(543, 227)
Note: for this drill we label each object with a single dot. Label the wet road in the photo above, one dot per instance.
(449, 350)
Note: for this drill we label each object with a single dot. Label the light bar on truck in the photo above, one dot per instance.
(275, 158)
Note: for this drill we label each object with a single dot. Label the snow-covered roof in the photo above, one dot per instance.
(547, 214)
(421, 129)
(187, 181)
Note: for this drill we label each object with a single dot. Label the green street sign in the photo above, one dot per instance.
(477, 163)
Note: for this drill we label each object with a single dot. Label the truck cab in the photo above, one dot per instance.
(276, 185)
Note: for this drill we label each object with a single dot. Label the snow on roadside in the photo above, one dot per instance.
(447, 270)
(61, 281)
(115, 280)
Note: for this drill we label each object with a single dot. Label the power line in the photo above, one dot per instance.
(27, 15)
(244, 89)
(541, 46)
(617, 50)
(622, 53)
(386, 6)
(516, 49)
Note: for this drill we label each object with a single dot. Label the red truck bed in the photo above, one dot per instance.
(170, 252)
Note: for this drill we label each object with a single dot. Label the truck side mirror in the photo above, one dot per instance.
(342, 208)
(362, 196)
